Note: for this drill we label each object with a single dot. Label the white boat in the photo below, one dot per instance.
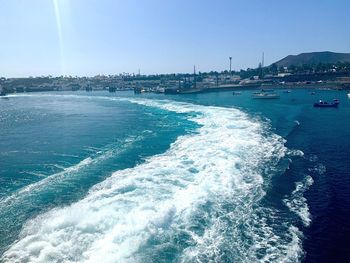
(349, 95)
(264, 95)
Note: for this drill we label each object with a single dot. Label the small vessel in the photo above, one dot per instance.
(349, 95)
(287, 91)
(236, 93)
(263, 91)
(160, 90)
(138, 90)
(264, 95)
(325, 104)
(313, 93)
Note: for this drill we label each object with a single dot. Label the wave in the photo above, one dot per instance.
(294, 153)
(47, 180)
(318, 168)
(66, 172)
(198, 201)
(297, 203)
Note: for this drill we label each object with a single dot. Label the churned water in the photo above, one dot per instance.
(153, 178)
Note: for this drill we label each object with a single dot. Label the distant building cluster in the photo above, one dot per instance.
(338, 74)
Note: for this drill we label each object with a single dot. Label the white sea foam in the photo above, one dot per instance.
(65, 155)
(207, 186)
(295, 153)
(297, 203)
(34, 173)
(318, 168)
(313, 158)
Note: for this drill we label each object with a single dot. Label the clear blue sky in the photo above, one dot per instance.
(89, 37)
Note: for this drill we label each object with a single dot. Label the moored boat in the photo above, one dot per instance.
(325, 104)
(264, 95)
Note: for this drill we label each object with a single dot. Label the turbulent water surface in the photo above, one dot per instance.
(150, 178)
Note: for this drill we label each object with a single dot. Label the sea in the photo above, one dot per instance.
(211, 177)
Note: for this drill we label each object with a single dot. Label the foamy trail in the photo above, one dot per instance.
(297, 203)
(199, 199)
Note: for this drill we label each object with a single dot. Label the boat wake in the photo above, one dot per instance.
(297, 202)
(199, 201)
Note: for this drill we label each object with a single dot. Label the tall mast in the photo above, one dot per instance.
(262, 65)
(263, 60)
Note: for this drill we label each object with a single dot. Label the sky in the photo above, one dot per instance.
(91, 37)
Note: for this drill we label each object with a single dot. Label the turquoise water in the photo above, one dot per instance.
(154, 178)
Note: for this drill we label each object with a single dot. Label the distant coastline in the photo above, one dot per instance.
(151, 86)
(322, 70)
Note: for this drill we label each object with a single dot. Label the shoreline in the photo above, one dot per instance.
(325, 86)
(319, 86)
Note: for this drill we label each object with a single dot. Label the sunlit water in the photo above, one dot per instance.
(153, 178)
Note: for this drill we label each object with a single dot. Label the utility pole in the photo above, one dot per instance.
(262, 66)
(230, 64)
(263, 59)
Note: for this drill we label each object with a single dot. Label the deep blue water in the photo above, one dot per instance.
(184, 178)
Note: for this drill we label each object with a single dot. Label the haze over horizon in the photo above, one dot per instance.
(87, 37)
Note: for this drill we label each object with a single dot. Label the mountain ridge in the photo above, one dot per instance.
(325, 57)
